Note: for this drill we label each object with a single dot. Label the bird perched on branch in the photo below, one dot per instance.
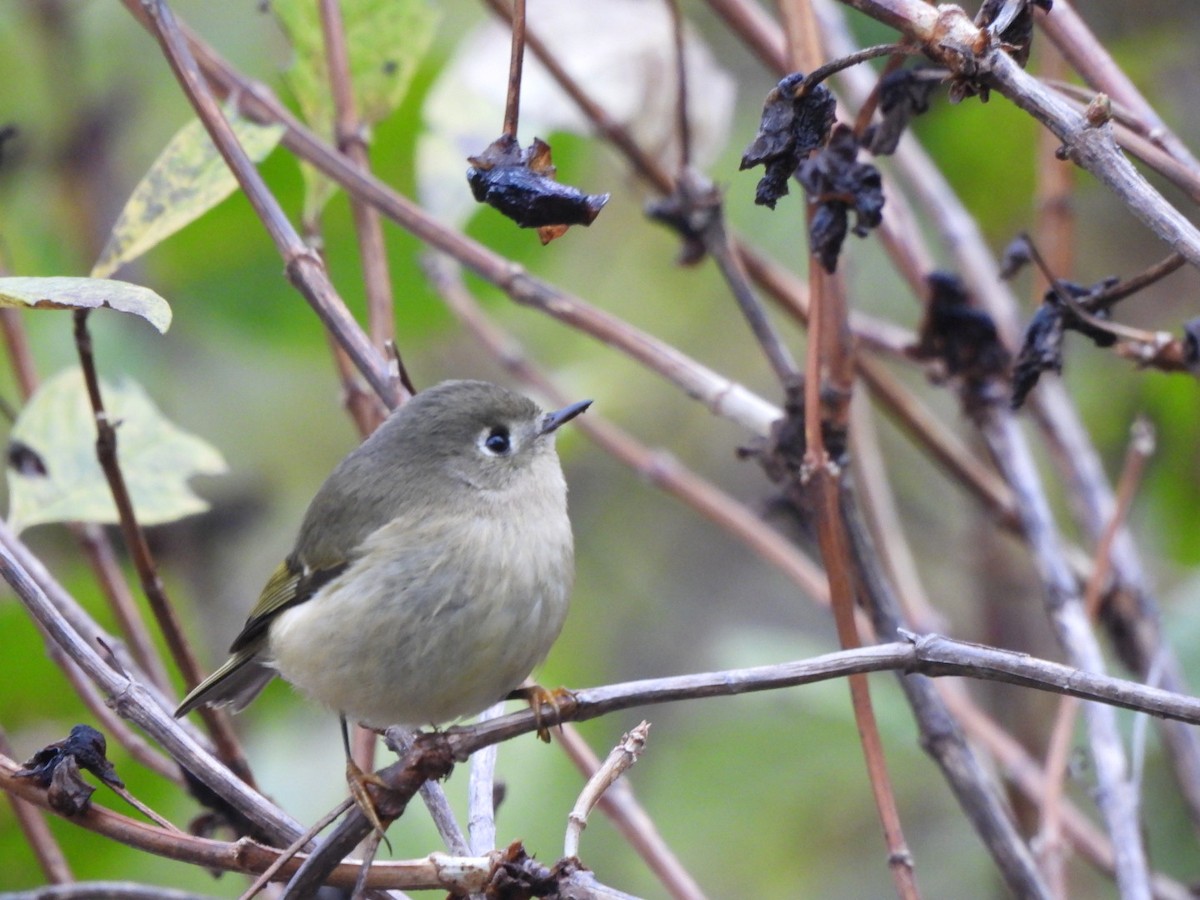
(431, 572)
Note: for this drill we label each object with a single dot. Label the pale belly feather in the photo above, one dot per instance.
(432, 635)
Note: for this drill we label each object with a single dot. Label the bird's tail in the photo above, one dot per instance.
(234, 685)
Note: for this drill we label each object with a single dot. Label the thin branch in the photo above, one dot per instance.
(682, 122)
(135, 541)
(701, 202)
(303, 267)
(630, 818)
(967, 775)
(512, 99)
(132, 700)
(621, 758)
(436, 871)
(1065, 608)
(292, 850)
(481, 792)
(401, 741)
(37, 833)
(92, 538)
(1090, 59)
(1129, 286)
(350, 134)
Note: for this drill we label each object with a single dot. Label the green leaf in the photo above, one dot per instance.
(188, 179)
(156, 457)
(385, 40)
(86, 293)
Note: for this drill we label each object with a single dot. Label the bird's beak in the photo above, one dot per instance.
(553, 420)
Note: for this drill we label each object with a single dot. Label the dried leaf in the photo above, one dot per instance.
(1042, 349)
(157, 458)
(86, 293)
(791, 128)
(1191, 344)
(903, 94)
(689, 210)
(56, 767)
(520, 184)
(1012, 22)
(1017, 255)
(963, 338)
(621, 49)
(188, 179)
(837, 183)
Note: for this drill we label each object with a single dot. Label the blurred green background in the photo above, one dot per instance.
(763, 794)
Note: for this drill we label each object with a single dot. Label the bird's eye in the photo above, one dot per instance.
(497, 441)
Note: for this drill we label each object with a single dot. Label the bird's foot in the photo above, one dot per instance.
(559, 700)
(358, 782)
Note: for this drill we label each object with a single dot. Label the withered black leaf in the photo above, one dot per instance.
(689, 210)
(56, 767)
(902, 95)
(520, 184)
(1191, 343)
(962, 337)
(24, 459)
(838, 183)
(1042, 349)
(1017, 255)
(791, 128)
(1012, 22)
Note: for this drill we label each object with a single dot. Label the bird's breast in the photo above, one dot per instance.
(435, 619)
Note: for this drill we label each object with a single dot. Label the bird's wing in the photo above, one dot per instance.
(293, 583)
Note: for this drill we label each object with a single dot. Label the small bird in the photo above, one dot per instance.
(431, 572)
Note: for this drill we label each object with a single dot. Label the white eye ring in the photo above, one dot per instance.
(496, 441)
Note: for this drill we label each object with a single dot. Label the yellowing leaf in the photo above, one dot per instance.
(156, 457)
(187, 180)
(385, 40)
(86, 293)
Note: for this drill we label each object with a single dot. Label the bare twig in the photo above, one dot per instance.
(682, 122)
(349, 133)
(622, 756)
(133, 700)
(512, 99)
(631, 819)
(1087, 56)
(293, 849)
(1065, 609)
(135, 540)
(401, 740)
(37, 833)
(303, 267)
(481, 792)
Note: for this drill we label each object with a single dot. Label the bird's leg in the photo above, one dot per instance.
(535, 695)
(357, 780)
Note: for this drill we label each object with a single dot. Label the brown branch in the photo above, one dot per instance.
(135, 541)
(447, 873)
(134, 700)
(828, 374)
(682, 122)
(37, 832)
(512, 99)
(303, 267)
(350, 136)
